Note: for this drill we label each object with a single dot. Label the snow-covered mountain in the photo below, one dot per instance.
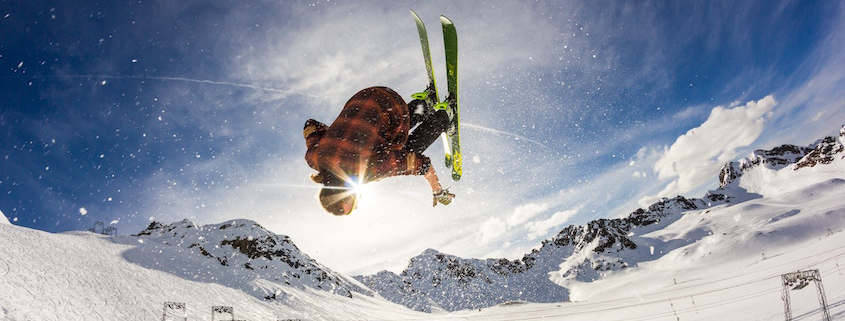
(257, 261)
(587, 253)
(787, 167)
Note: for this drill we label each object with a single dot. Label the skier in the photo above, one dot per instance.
(370, 140)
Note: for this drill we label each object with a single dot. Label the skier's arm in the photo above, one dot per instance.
(442, 196)
(431, 177)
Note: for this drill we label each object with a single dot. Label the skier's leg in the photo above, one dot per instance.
(419, 111)
(428, 131)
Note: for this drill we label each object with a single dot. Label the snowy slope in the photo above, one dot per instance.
(753, 231)
(85, 276)
(753, 188)
(720, 285)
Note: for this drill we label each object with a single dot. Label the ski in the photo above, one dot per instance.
(451, 138)
(451, 104)
(430, 94)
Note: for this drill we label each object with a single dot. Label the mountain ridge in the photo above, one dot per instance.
(240, 245)
(582, 253)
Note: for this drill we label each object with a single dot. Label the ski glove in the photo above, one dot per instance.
(443, 197)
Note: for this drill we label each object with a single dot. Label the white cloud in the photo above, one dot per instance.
(492, 229)
(525, 213)
(539, 229)
(695, 156)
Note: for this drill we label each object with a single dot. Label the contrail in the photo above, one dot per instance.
(286, 92)
(311, 186)
(504, 133)
(192, 80)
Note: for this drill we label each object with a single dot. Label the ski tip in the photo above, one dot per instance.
(445, 20)
(414, 13)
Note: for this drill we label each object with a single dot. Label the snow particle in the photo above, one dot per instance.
(83, 211)
(103, 82)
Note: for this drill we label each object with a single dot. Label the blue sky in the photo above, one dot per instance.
(125, 112)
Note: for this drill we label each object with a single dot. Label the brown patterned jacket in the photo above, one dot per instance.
(367, 140)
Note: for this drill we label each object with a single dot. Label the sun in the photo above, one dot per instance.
(365, 193)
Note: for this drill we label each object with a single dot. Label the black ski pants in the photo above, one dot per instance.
(431, 124)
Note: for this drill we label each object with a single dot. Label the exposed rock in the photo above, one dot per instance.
(825, 152)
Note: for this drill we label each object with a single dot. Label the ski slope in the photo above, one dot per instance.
(85, 276)
(732, 273)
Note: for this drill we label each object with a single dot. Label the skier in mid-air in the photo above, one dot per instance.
(370, 140)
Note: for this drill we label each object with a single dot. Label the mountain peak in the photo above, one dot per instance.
(239, 245)
(823, 151)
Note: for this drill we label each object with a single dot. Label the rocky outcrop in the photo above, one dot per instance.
(776, 158)
(825, 152)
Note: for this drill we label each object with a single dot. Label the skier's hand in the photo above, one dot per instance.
(443, 197)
